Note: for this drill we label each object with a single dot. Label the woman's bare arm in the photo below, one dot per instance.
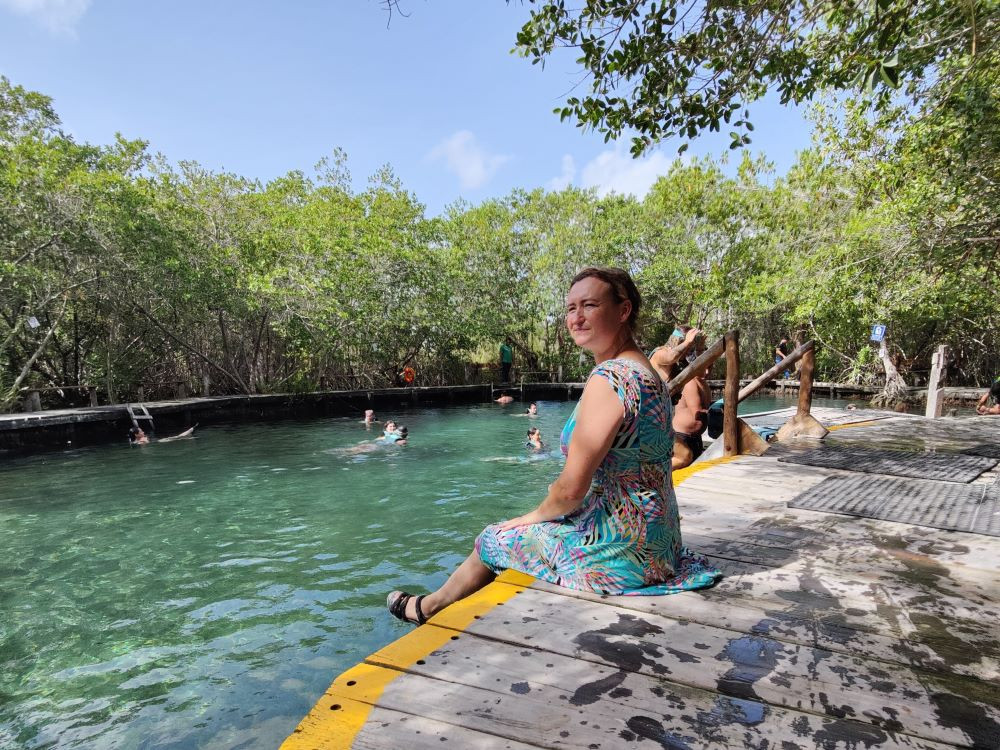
(597, 422)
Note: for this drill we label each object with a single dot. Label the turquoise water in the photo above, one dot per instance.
(204, 593)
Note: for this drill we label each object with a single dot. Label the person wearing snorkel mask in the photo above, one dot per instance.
(677, 353)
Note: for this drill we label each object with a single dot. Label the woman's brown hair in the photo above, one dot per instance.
(622, 288)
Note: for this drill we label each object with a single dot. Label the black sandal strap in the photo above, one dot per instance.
(398, 606)
(421, 618)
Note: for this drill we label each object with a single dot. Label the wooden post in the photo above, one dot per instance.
(32, 401)
(806, 371)
(935, 391)
(92, 393)
(731, 396)
(206, 384)
(804, 424)
(180, 389)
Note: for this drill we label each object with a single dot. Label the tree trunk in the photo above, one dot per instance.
(12, 392)
(895, 390)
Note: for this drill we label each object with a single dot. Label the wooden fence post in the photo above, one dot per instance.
(935, 393)
(33, 401)
(92, 393)
(804, 424)
(730, 427)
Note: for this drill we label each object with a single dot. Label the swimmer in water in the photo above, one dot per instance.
(504, 399)
(189, 432)
(535, 440)
(531, 411)
(394, 436)
(137, 437)
(370, 417)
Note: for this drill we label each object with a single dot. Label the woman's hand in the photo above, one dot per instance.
(526, 520)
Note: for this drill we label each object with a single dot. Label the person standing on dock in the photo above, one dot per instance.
(609, 523)
(780, 352)
(506, 360)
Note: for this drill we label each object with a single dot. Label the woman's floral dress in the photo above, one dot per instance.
(625, 538)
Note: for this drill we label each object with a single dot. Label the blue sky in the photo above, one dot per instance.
(261, 88)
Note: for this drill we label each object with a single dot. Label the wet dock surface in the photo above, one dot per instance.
(828, 631)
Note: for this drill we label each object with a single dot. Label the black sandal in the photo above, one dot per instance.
(397, 601)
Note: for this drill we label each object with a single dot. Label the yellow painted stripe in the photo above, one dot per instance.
(340, 714)
(336, 718)
(681, 474)
(833, 427)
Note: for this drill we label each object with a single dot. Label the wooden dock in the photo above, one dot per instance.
(828, 632)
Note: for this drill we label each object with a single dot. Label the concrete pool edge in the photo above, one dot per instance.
(39, 431)
(344, 708)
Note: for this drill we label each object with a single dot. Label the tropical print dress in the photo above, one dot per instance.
(625, 538)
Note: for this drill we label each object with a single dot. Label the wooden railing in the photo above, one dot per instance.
(737, 436)
(33, 397)
(729, 347)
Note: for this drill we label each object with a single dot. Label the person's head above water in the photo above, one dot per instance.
(532, 409)
(369, 415)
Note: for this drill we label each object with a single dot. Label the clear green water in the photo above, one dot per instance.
(204, 593)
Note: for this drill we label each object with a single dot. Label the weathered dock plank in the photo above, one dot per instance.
(745, 666)
(610, 698)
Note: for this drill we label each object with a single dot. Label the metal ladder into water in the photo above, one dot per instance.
(511, 388)
(137, 412)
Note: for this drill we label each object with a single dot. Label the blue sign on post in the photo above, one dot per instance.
(878, 332)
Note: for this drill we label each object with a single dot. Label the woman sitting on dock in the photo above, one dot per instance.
(609, 523)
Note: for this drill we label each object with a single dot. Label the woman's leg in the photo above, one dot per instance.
(467, 579)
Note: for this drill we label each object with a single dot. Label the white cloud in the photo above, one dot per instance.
(565, 179)
(615, 171)
(58, 16)
(473, 165)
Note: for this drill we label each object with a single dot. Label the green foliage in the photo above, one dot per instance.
(143, 274)
(679, 67)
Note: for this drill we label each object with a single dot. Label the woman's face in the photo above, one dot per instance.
(593, 317)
